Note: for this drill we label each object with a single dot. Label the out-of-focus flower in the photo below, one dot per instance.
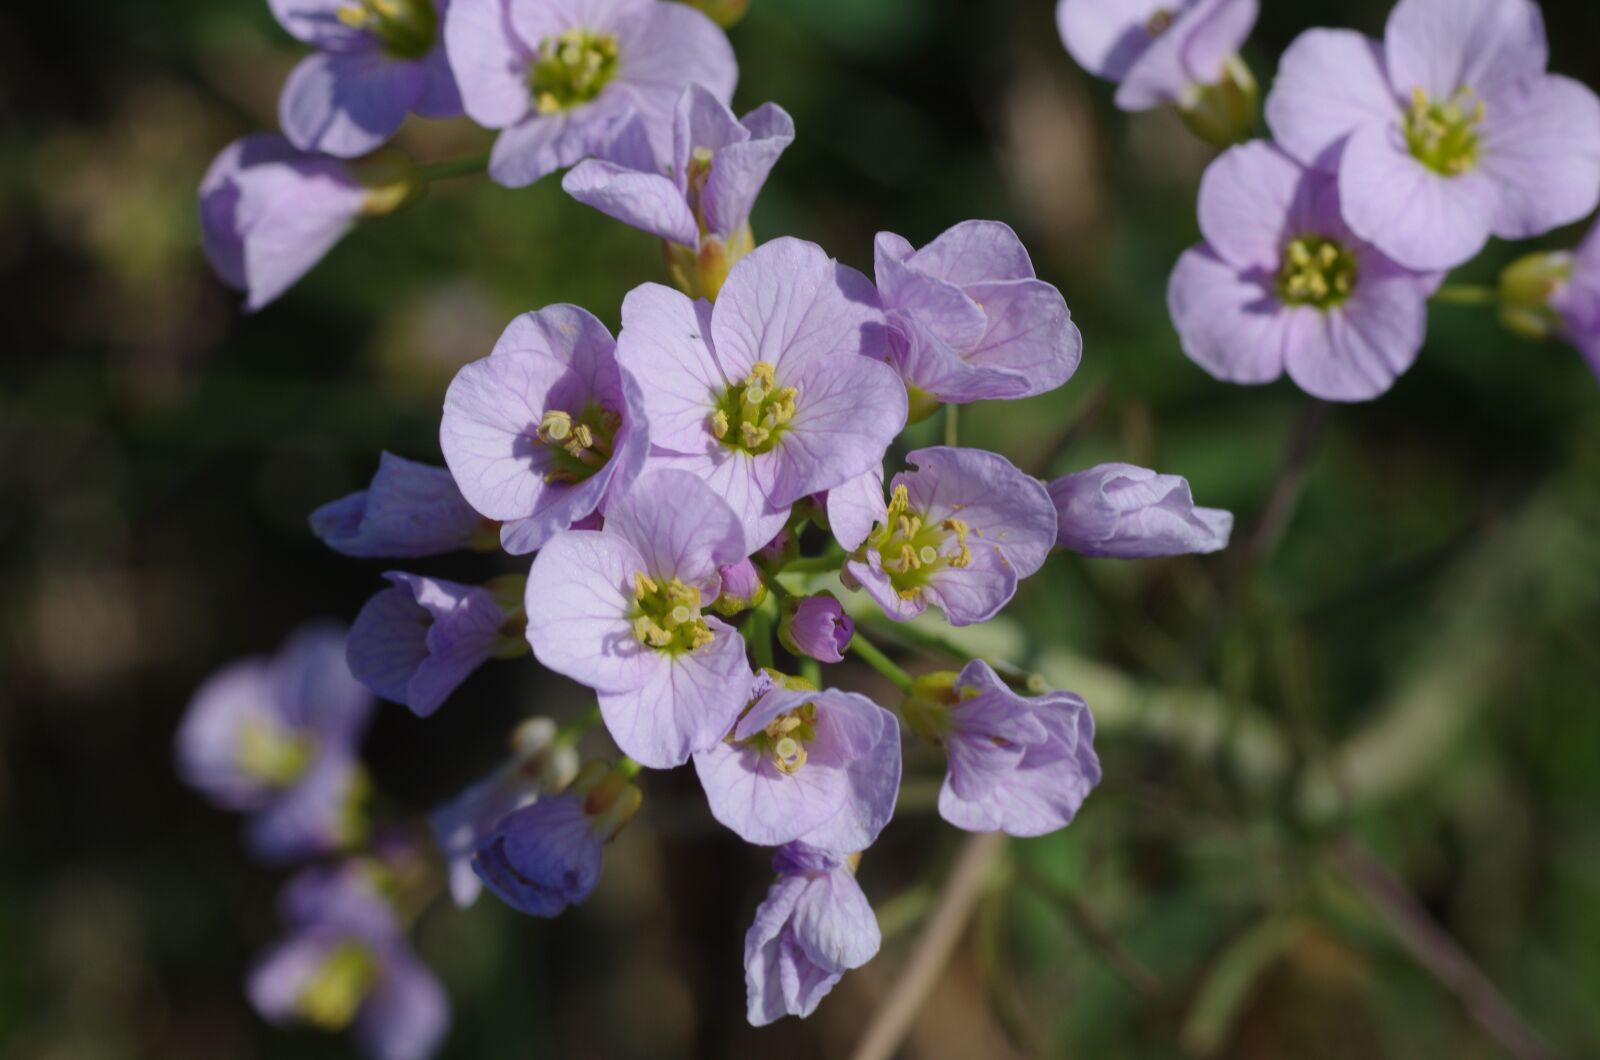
(776, 393)
(968, 320)
(723, 12)
(1127, 512)
(269, 212)
(556, 76)
(960, 532)
(619, 609)
(1283, 284)
(410, 510)
(819, 767)
(277, 738)
(376, 61)
(345, 961)
(1557, 295)
(542, 432)
(544, 857)
(1183, 52)
(699, 199)
(1018, 764)
(414, 643)
(541, 763)
(813, 926)
(1446, 132)
(816, 626)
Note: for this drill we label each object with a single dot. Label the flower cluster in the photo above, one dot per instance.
(711, 499)
(1391, 162)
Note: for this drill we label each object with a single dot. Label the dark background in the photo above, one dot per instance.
(1416, 665)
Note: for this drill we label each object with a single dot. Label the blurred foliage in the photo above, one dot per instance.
(1416, 664)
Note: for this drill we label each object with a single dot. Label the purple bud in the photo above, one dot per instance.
(818, 627)
(742, 588)
(409, 510)
(1126, 512)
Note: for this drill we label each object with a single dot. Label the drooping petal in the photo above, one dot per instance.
(649, 202)
(579, 604)
(409, 510)
(347, 104)
(459, 626)
(855, 507)
(834, 923)
(542, 858)
(1330, 83)
(1229, 323)
(739, 170)
(736, 477)
(388, 642)
(1544, 155)
(1421, 219)
(975, 252)
(1441, 46)
(1127, 512)
(688, 702)
(786, 302)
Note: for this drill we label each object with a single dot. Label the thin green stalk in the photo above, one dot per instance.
(952, 425)
(1466, 294)
(826, 563)
(873, 657)
(573, 730)
(472, 165)
(628, 767)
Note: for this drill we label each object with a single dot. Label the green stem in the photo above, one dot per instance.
(826, 563)
(873, 657)
(952, 425)
(1466, 294)
(758, 632)
(472, 165)
(573, 731)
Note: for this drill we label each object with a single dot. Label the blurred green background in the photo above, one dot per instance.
(1415, 665)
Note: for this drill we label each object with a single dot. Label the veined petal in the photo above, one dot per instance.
(1330, 83)
(688, 702)
(580, 603)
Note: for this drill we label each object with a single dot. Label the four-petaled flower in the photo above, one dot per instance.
(620, 609)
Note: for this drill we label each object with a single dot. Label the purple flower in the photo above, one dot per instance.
(816, 626)
(1282, 284)
(1126, 512)
(1447, 131)
(1157, 51)
(813, 926)
(960, 532)
(699, 198)
(774, 394)
(544, 857)
(376, 61)
(544, 430)
(277, 738)
(1575, 298)
(539, 764)
(268, 213)
(619, 610)
(819, 767)
(410, 510)
(346, 961)
(416, 642)
(556, 76)
(1021, 765)
(967, 319)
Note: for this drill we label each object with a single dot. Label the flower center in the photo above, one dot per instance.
(578, 445)
(271, 753)
(752, 416)
(1159, 22)
(1317, 272)
(785, 737)
(330, 998)
(667, 617)
(1444, 135)
(407, 29)
(912, 548)
(571, 69)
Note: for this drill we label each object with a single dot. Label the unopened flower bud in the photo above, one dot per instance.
(723, 12)
(1223, 113)
(1526, 287)
(816, 626)
(927, 706)
(742, 589)
(700, 272)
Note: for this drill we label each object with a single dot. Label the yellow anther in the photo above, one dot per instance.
(555, 426)
(752, 436)
(354, 16)
(761, 372)
(719, 424)
(899, 500)
(643, 585)
(908, 558)
(701, 637)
